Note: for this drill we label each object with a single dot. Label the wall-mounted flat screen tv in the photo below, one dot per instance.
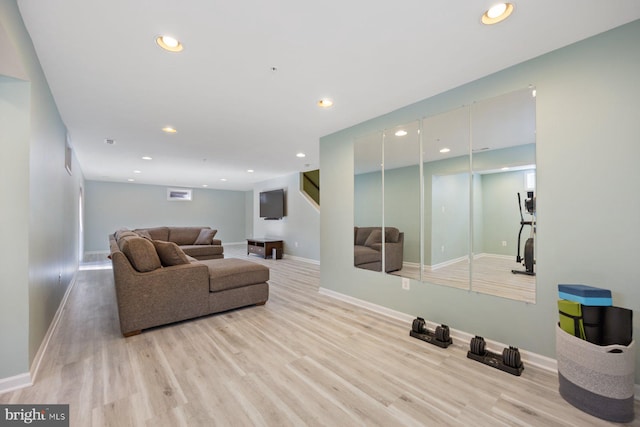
(272, 204)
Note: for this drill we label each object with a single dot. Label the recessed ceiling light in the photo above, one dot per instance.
(301, 155)
(223, 179)
(169, 129)
(250, 170)
(325, 103)
(169, 43)
(445, 150)
(205, 185)
(147, 158)
(401, 132)
(497, 13)
(131, 180)
(506, 168)
(137, 171)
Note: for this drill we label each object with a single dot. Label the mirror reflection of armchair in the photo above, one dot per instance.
(367, 252)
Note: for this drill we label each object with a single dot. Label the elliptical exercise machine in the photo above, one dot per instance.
(529, 257)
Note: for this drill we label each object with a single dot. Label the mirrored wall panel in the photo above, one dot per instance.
(401, 206)
(446, 198)
(504, 170)
(367, 206)
(455, 193)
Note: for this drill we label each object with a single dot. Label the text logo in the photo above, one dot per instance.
(34, 415)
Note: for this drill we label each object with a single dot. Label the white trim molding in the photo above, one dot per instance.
(28, 378)
(35, 366)
(15, 383)
(297, 258)
(461, 338)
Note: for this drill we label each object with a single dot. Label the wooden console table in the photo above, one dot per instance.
(264, 247)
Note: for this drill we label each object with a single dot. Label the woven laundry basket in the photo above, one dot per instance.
(598, 380)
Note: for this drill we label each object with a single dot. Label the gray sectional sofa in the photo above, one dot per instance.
(367, 249)
(198, 242)
(157, 283)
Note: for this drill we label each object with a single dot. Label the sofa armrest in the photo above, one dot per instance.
(393, 254)
(217, 242)
(158, 297)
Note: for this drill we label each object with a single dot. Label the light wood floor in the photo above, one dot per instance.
(301, 359)
(491, 275)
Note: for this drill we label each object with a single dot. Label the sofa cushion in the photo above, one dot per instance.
(364, 255)
(391, 234)
(141, 253)
(184, 235)
(374, 237)
(200, 251)
(230, 273)
(170, 253)
(156, 233)
(205, 237)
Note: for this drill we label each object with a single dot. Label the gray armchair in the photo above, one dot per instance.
(367, 252)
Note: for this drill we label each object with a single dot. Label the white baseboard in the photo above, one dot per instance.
(297, 258)
(397, 315)
(27, 379)
(460, 337)
(15, 383)
(463, 338)
(445, 263)
(96, 252)
(287, 256)
(35, 366)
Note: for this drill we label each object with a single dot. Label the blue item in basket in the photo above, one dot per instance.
(585, 295)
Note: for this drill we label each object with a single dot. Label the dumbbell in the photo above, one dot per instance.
(478, 345)
(511, 357)
(419, 326)
(442, 333)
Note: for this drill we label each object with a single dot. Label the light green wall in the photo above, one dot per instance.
(450, 210)
(501, 217)
(300, 228)
(112, 205)
(587, 178)
(14, 226)
(449, 190)
(402, 207)
(39, 192)
(368, 199)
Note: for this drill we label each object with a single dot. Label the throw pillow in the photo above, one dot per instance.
(374, 237)
(170, 253)
(124, 233)
(141, 254)
(144, 233)
(205, 237)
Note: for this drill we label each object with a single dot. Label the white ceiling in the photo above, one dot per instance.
(232, 112)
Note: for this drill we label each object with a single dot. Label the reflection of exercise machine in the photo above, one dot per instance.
(528, 261)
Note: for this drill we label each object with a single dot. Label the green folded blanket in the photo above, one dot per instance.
(571, 318)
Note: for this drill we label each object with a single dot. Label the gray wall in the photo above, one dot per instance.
(112, 205)
(39, 214)
(587, 179)
(300, 228)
